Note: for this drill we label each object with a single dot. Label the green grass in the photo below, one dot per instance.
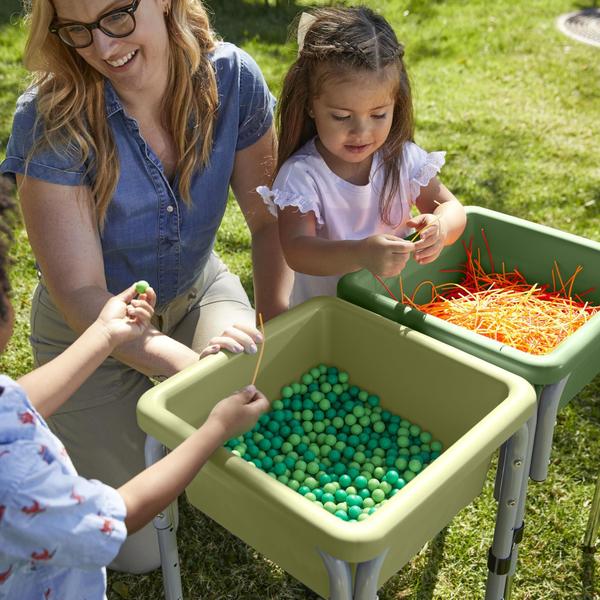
(515, 104)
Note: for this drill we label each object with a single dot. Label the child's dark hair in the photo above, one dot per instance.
(341, 41)
(7, 217)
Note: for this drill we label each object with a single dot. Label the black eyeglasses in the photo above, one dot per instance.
(116, 23)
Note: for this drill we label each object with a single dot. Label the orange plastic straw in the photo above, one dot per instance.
(262, 348)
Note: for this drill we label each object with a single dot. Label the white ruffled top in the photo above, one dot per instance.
(344, 211)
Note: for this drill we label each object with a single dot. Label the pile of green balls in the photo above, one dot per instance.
(333, 443)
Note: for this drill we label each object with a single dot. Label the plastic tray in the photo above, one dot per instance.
(531, 248)
(470, 405)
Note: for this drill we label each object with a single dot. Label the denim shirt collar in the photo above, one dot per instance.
(111, 100)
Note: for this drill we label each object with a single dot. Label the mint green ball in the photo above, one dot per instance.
(378, 495)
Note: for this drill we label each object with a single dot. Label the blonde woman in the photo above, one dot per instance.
(137, 122)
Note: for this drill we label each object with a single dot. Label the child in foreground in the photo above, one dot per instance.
(59, 530)
(348, 172)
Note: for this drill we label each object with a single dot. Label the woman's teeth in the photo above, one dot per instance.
(121, 61)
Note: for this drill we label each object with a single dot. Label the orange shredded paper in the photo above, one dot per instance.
(506, 308)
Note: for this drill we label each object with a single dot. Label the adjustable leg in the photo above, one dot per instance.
(367, 574)
(512, 480)
(594, 520)
(340, 577)
(519, 522)
(165, 524)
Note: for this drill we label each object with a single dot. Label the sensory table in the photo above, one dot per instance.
(471, 406)
(556, 376)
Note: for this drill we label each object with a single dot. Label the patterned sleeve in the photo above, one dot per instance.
(55, 517)
(421, 167)
(61, 165)
(256, 103)
(293, 186)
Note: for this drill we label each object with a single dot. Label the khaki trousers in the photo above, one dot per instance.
(98, 424)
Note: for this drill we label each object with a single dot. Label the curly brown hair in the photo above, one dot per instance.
(7, 218)
(337, 42)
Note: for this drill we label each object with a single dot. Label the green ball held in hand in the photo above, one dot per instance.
(141, 286)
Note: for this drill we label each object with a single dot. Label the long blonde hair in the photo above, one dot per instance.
(337, 42)
(71, 106)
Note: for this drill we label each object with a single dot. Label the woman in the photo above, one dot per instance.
(123, 150)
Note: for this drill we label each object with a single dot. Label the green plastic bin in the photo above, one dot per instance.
(470, 405)
(521, 244)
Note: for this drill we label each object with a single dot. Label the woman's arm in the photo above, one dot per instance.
(272, 278)
(64, 238)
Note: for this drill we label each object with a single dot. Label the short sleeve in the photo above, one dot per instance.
(421, 167)
(61, 165)
(256, 103)
(55, 517)
(293, 186)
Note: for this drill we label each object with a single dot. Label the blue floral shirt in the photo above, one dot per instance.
(57, 530)
(150, 233)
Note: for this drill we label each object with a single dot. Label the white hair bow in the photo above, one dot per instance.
(306, 20)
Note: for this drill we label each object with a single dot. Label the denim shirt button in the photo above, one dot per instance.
(170, 208)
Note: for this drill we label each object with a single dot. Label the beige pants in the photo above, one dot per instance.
(98, 424)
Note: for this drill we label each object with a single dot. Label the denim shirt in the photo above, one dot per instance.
(149, 232)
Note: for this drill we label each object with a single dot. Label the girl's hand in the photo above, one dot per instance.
(432, 237)
(238, 413)
(127, 315)
(385, 254)
(237, 338)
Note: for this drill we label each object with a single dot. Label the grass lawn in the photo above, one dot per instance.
(515, 104)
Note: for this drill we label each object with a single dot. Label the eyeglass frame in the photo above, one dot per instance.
(130, 9)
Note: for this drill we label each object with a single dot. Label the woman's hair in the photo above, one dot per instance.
(71, 107)
(341, 42)
(7, 219)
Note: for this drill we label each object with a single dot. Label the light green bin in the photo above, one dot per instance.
(470, 405)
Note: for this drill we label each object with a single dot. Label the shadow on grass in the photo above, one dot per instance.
(244, 20)
(588, 568)
(432, 568)
(9, 10)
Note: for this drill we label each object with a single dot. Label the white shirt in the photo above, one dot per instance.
(345, 211)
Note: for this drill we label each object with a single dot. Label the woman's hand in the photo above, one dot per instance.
(238, 413)
(237, 338)
(127, 315)
(384, 254)
(432, 236)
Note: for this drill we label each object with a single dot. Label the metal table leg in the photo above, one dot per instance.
(165, 524)
(594, 520)
(365, 581)
(519, 522)
(512, 480)
(546, 420)
(340, 577)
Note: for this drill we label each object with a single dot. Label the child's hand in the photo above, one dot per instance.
(237, 338)
(240, 412)
(127, 315)
(385, 254)
(432, 237)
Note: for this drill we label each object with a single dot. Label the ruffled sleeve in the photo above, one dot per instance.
(293, 186)
(421, 166)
